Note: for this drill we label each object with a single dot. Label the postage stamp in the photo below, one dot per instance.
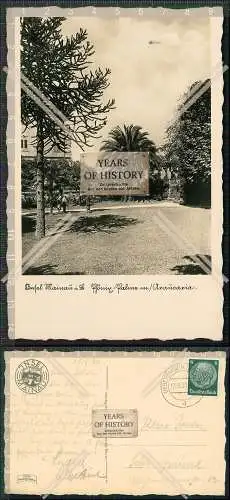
(203, 377)
(174, 386)
(32, 376)
(115, 423)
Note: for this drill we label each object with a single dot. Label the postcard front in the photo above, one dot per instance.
(133, 423)
(115, 173)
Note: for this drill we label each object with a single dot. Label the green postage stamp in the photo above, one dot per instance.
(203, 377)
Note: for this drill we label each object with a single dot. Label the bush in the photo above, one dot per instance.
(28, 201)
(198, 194)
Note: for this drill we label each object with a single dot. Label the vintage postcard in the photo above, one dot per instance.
(129, 423)
(115, 173)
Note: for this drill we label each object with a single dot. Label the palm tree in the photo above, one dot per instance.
(132, 138)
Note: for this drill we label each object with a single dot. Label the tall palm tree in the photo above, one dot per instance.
(131, 138)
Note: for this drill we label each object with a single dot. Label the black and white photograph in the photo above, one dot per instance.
(116, 145)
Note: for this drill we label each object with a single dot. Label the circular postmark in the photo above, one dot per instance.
(203, 375)
(32, 376)
(174, 386)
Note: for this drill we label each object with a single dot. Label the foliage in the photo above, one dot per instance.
(188, 147)
(133, 138)
(63, 174)
(60, 176)
(58, 67)
(28, 175)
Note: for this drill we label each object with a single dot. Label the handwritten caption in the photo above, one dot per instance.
(98, 288)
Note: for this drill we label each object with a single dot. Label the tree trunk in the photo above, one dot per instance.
(51, 189)
(40, 223)
(51, 196)
(88, 203)
(51, 204)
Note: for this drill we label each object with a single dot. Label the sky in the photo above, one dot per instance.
(147, 79)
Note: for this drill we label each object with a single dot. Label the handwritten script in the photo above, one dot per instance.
(97, 288)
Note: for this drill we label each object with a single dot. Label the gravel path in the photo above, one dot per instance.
(145, 240)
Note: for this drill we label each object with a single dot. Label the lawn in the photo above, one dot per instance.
(143, 240)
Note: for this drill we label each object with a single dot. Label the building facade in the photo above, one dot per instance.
(28, 146)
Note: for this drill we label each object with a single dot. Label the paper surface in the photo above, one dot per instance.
(90, 423)
(97, 269)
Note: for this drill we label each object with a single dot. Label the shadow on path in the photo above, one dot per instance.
(28, 224)
(107, 223)
(47, 269)
(198, 264)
